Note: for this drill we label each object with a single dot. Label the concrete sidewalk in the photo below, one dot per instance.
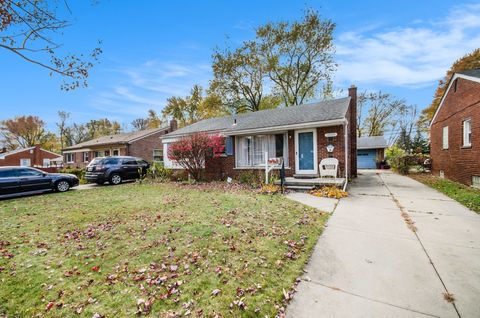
(368, 263)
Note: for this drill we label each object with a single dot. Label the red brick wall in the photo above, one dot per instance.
(143, 148)
(35, 155)
(352, 126)
(338, 143)
(222, 167)
(459, 164)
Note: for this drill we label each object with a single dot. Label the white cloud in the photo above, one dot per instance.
(148, 85)
(413, 56)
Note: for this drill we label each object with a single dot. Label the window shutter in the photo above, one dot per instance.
(229, 146)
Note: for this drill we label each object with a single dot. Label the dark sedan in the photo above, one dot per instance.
(25, 180)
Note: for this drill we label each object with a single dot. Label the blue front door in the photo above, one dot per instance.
(306, 152)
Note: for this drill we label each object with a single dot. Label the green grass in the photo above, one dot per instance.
(105, 250)
(467, 196)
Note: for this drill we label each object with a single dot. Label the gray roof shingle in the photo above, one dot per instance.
(474, 73)
(373, 142)
(123, 138)
(315, 112)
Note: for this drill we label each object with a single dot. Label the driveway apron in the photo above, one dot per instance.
(393, 248)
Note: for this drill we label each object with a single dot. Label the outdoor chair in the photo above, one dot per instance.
(328, 167)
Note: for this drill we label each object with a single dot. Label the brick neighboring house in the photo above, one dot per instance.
(455, 130)
(145, 144)
(30, 157)
(300, 135)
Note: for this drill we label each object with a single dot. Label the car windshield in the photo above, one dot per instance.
(95, 161)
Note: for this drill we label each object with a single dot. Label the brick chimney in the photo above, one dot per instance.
(173, 125)
(352, 124)
(37, 156)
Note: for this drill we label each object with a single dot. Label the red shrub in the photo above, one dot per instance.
(190, 151)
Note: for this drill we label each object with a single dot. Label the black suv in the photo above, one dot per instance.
(115, 169)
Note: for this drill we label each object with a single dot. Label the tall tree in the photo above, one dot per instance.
(238, 77)
(189, 109)
(382, 110)
(30, 30)
(62, 126)
(152, 121)
(467, 62)
(140, 124)
(23, 131)
(299, 56)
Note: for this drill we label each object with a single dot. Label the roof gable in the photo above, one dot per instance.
(19, 150)
(371, 142)
(471, 75)
(122, 138)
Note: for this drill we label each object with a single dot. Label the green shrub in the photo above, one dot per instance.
(79, 172)
(253, 178)
(158, 172)
(402, 162)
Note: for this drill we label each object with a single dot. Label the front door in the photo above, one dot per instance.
(306, 151)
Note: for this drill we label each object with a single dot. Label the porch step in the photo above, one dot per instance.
(300, 188)
(305, 176)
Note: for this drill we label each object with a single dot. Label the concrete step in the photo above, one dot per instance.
(300, 188)
(305, 176)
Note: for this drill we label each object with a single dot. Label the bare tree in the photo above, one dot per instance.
(29, 28)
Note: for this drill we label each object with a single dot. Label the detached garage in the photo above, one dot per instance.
(370, 150)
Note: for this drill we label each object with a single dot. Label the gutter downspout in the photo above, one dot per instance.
(345, 126)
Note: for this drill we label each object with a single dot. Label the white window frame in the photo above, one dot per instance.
(46, 162)
(117, 150)
(69, 157)
(467, 134)
(445, 138)
(161, 156)
(25, 160)
(251, 156)
(86, 156)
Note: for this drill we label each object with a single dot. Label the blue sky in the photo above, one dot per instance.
(157, 49)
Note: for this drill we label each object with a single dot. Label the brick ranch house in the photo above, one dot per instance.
(145, 144)
(300, 135)
(30, 157)
(455, 130)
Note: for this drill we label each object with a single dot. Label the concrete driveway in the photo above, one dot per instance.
(370, 263)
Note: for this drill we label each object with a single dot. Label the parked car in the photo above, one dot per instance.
(25, 180)
(115, 169)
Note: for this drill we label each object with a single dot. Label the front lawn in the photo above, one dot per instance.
(467, 196)
(163, 250)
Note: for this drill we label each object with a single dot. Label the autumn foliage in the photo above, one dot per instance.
(467, 62)
(191, 151)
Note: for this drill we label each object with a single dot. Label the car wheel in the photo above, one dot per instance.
(62, 186)
(115, 179)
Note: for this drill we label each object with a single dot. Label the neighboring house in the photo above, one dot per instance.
(145, 144)
(301, 135)
(370, 151)
(455, 130)
(30, 157)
